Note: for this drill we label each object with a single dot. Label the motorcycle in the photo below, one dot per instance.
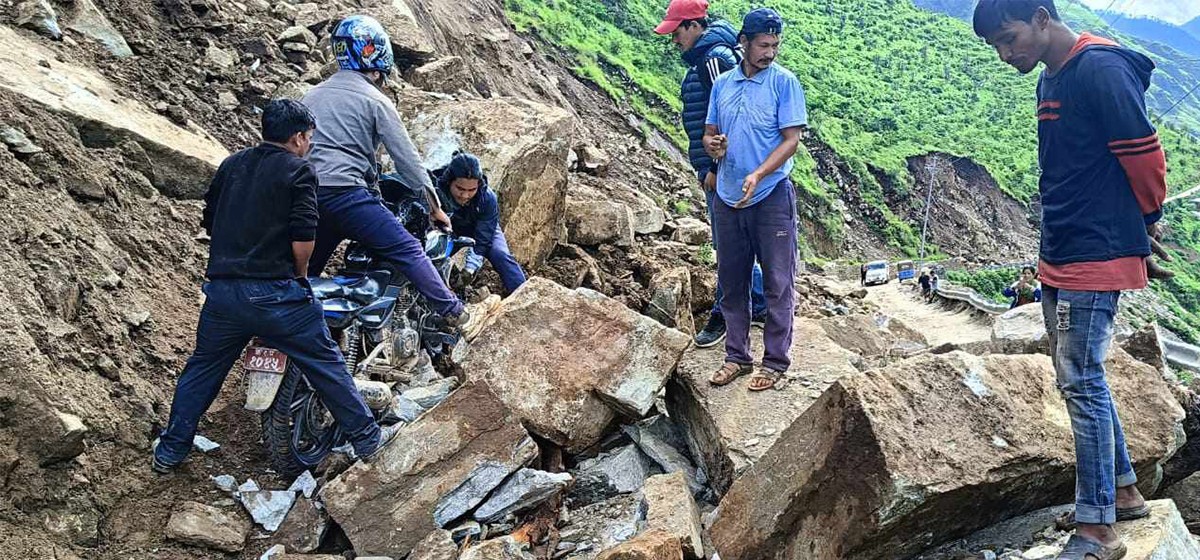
(384, 328)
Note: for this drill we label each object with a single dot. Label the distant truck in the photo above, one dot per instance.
(878, 272)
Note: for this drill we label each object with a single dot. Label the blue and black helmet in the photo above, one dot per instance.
(360, 43)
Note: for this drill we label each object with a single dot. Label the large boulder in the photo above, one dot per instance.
(729, 428)
(523, 146)
(595, 222)
(411, 47)
(1146, 345)
(1186, 494)
(1021, 330)
(446, 75)
(885, 463)
(568, 361)
(180, 162)
(386, 506)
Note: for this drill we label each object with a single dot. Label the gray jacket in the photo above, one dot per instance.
(353, 119)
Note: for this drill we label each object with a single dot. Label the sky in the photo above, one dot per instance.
(1174, 11)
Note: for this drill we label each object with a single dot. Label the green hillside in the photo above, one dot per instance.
(885, 80)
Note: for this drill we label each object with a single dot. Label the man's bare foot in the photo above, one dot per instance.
(1103, 534)
(1129, 497)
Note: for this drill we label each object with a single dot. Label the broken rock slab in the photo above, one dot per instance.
(728, 428)
(39, 16)
(182, 160)
(201, 525)
(268, 507)
(621, 471)
(583, 359)
(304, 527)
(669, 506)
(1161, 536)
(523, 146)
(651, 545)
(478, 484)
(385, 506)
(885, 462)
(523, 490)
(671, 299)
(1021, 331)
(90, 21)
(663, 451)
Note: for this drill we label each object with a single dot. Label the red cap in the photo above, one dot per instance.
(679, 11)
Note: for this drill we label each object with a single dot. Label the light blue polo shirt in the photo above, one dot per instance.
(753, 112)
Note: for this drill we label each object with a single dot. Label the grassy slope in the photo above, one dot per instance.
(885, 81)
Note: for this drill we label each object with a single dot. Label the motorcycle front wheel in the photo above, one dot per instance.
(299, 432)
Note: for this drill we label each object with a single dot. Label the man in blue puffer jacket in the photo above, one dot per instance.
(710, 48)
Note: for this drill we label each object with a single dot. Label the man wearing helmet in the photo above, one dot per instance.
(356, 117)
(474, 211)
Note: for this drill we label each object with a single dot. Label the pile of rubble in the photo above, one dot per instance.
(585, 430)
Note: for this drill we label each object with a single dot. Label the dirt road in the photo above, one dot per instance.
(939, 322)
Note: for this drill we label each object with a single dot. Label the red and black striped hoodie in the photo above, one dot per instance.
(1103, 168)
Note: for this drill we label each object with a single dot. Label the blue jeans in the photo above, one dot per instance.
(502, 260)
(1080, 325)
(356, 213)
(286, 317)
(765, 232)
(758, 302)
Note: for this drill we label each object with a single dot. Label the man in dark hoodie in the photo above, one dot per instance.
(710, 48)
(1102, 187)
(474, 212)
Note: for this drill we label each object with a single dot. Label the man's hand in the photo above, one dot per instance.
(1154, 231)
(710, 182)
(440, 219)
(749, 185)
(716, 145)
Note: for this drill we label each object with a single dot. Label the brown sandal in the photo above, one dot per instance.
(729, 372)
(766, 374)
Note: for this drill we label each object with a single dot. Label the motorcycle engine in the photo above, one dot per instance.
(405, 344)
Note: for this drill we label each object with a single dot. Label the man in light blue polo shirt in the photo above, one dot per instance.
(755, 118)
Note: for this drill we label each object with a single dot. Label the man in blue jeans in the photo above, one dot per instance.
(709, 49)
(356, 117)
(1102, 189)
(753, 128)
(474, 212)
(261, 212)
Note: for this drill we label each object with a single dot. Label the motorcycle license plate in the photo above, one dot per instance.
(270, 360)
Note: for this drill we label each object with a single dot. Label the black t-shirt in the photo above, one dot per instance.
(259, 202)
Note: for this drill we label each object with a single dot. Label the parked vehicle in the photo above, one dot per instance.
(906, 270)
(383, 326)
(878, 272)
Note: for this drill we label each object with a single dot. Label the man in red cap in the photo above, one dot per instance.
(710, 48)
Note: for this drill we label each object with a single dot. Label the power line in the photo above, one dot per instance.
(1180, 100)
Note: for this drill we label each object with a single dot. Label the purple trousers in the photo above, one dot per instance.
(766, 232)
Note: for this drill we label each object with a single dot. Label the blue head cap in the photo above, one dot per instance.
(762, 20)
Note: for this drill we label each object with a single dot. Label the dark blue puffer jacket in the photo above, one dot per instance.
(718, 42)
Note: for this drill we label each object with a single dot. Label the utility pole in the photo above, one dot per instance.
(929, 169)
